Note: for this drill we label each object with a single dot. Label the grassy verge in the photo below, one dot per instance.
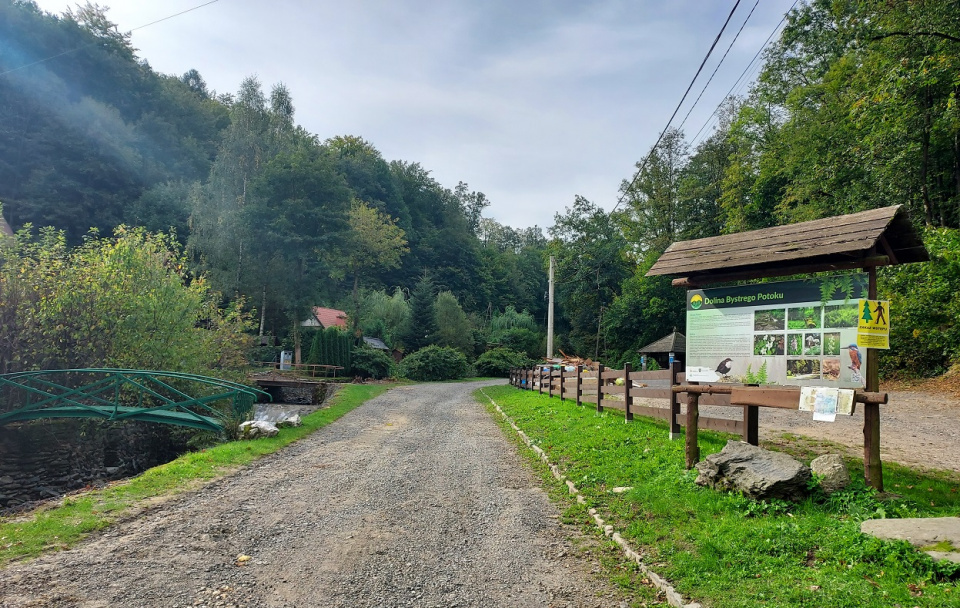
(725, 550)
(62, 526)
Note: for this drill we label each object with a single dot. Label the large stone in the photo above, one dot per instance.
(252, 429)
(832, 471)
(758, 473)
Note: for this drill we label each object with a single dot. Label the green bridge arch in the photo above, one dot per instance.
(175, 398)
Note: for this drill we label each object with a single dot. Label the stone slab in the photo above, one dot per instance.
(919, 532)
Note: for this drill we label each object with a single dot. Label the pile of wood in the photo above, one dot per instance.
(566, 360)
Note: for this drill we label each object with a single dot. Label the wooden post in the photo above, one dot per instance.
(540, 379)
(872, 467)
(674, 402)
(693, 418)
(599, 387)
(751, 424)
(550, 379)
(577, 383)
(627, 397)
(562, 368)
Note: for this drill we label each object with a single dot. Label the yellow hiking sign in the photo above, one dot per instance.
(873, 326)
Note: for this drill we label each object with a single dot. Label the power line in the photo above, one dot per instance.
(81, 47)
(709, 80)
(741, 80)
(643, 164)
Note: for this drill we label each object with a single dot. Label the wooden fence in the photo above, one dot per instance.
(620, 389)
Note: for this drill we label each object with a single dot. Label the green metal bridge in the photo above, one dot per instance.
(173, 398)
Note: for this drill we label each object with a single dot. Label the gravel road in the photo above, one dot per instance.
(414, 499)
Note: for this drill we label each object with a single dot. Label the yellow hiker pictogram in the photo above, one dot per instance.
(873, 326)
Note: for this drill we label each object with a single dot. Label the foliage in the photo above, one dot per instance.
(925, 338)
(453, 327)
(756, 378)
(331, 346)
(499, 361)
(434, 363)
(123, 302)
(517, 331)
(386, 317)
(369, 362)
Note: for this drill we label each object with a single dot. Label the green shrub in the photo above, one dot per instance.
(499, 361)
(435, 363)
(371, 363)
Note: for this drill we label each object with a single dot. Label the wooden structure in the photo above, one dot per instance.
(674, 343)
(865, 240)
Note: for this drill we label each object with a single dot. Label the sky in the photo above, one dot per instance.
(528, 101)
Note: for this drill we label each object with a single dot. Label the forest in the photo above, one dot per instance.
(223, 195)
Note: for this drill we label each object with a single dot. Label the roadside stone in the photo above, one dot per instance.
(251, 429)
(758, 473)
(291, 421)
(832, 471)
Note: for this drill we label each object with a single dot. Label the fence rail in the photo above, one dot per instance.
(620, 389)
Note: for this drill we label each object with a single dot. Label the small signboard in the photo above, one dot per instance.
(873, 324)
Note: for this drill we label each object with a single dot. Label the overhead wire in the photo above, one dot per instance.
(95, 43)
(643, 163)
(741, 81)
(725, 53)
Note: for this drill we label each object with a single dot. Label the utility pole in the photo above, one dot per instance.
(550, 313)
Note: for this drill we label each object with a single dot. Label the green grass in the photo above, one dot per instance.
(726, 550)
(62, 526)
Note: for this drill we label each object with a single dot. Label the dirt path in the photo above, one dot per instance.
(414, 499)
(919, 429)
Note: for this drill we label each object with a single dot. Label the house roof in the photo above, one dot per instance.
(878, 237)
(330, 317)
(673, 343)
(376, 343)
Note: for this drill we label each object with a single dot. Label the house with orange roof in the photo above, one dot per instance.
(326, 317)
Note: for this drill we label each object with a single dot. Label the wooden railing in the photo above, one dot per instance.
(619, 389)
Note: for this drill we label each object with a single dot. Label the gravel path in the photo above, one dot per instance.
(917, 429)
(414, 499)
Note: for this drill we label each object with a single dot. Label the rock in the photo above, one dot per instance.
(252, 429)
(832, 471)
(758, 473)
(290, 421)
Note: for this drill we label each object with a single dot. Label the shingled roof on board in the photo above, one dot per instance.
(877, 237)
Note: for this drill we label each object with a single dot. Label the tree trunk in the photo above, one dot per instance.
(263, 312)
(925, 161)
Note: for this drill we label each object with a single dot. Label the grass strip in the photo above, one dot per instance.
(62, 526)
(726, 550)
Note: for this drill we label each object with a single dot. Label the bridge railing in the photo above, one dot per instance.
(124, 394)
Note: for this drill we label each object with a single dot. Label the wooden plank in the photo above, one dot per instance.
(692, 450)
(722, 425)
(620, 406)
(858, 226)
(783, 398)
(803, 244)
(660, 374)
(662, 413)
(611, 374)
(614, 389)
(774, 269)
(652, 393)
